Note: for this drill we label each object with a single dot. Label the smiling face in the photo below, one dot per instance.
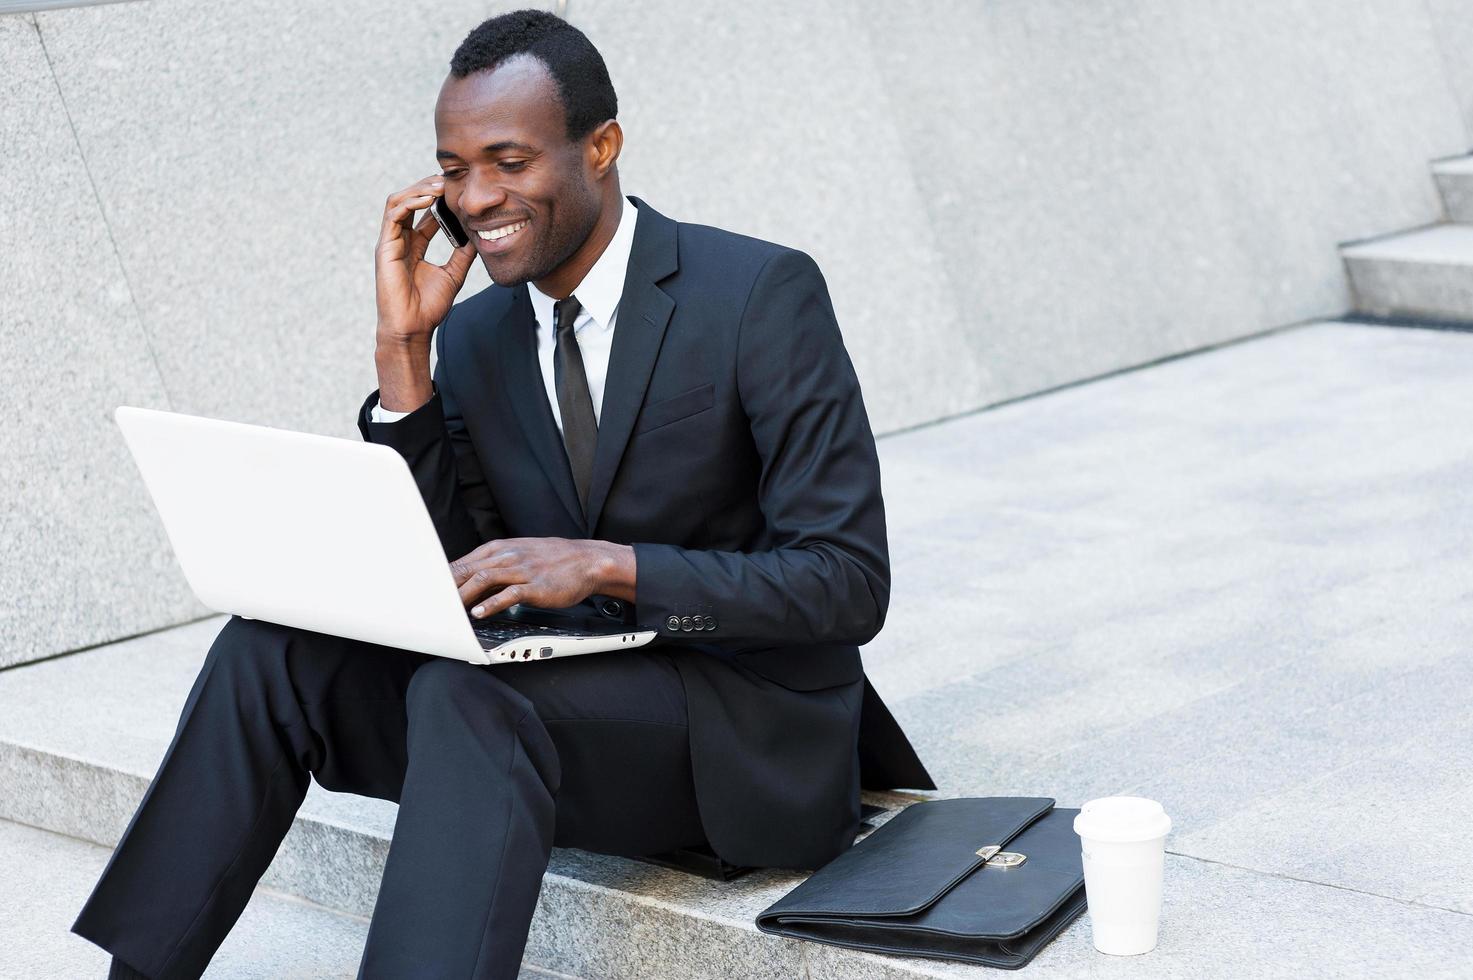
(529, 197)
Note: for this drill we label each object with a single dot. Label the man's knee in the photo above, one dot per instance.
(470, 698)
(443, 684)
(286, 662)
(244, 626)
(248, 665)
(305, 659)
(243, 645)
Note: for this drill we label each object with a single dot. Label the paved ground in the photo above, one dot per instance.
(1241, 583)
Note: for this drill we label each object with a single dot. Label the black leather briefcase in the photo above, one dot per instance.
(987, 880)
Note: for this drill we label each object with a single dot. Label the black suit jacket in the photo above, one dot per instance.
(735, 455)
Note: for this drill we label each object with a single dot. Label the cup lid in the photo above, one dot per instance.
(1122, 820)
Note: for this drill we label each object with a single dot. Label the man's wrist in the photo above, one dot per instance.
(403, 373)
(616, 571)
(389, 340)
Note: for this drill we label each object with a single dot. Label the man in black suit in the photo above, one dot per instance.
(652, 421)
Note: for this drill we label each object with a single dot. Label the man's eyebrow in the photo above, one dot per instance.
(500, 147)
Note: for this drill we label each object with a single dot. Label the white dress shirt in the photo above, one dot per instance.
(598, 297)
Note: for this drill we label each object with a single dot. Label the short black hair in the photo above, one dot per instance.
(572, 60)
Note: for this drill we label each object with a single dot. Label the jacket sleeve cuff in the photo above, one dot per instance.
(380, 414)
(669, 602)
(424, 424)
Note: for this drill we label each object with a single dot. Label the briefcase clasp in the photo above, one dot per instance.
(995, 857)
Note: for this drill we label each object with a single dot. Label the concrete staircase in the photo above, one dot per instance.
(1425, 274)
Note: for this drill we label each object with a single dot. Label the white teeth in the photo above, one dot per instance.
(498, 233)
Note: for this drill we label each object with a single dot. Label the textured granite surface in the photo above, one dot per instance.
(1454, 30)
(1239, 583)
(1171, 170)
(83, 558)
(280, 134)
(821, 163)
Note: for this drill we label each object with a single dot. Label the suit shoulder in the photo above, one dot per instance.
(737, 255)
(724, 266)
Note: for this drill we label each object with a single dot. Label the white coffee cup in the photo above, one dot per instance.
(1124, 850)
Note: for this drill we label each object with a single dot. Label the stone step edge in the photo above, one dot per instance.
(1459, 165)
(44, 787)
(338, 867)
(128, 789)
(1389, 248)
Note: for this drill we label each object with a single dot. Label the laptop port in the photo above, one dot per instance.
(545, 652)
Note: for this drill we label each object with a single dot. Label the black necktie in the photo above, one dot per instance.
(575, 404)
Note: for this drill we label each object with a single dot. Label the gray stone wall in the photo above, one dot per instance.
(1453, 22)
(1004, 196)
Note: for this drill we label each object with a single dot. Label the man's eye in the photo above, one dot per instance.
(513, 164)
(452, 174)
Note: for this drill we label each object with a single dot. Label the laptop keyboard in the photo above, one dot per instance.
(494, 634)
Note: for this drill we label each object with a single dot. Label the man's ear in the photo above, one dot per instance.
(604, 144)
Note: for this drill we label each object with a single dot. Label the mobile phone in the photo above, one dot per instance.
(449, 223)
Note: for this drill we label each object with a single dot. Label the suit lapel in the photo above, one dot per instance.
(521, 374)
(644, 313)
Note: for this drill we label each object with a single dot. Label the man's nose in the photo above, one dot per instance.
(480, 197)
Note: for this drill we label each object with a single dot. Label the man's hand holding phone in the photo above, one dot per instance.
(413, 295)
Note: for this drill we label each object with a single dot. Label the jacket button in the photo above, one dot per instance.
(612, 607)
(686, 625)
(673, 623)
(710, 622)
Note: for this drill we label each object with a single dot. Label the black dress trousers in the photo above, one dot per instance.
(491, 767)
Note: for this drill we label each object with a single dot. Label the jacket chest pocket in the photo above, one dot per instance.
(676, 407)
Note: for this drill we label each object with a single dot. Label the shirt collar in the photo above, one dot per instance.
(598, 294)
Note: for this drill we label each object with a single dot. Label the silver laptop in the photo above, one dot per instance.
(329, 535)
